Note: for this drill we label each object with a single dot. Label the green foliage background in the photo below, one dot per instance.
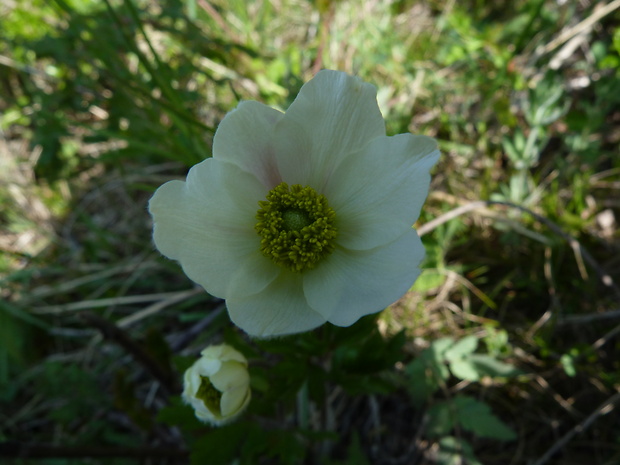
(506, 349)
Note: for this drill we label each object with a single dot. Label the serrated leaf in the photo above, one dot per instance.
(441, 419)
(476, 416)
(428, 370)
(471, 415)
(420, 386)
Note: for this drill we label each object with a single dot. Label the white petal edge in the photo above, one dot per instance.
(245, 137)
(378, 192)
(191, 382)
(206, 367)
(339, 114)
(231, 374)
(223, 352)
(207, 224)
(204, 414)
(279, 309)
(350, 284)
(234, 401)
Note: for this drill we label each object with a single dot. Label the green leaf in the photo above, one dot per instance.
(464, 369)
(421, 386)
(567, 361)
(16, 312)
(441, 419)
(471, 415)
(458, 357)
(191, 9)
(429, 279)
(616, 40)
(428, 371)
(355, 453)
(440, 346)
(462, 348)
(490, 366)
(259, 380)
(496, 340)
(179, 414)
(476, 416)
(220, 446)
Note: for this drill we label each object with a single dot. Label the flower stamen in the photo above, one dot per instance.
(296, 226)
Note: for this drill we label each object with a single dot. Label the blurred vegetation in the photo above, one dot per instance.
(507, 349)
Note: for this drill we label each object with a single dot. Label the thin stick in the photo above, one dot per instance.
(581, 319)
(23, 450)
(580, 252)
(114, 301)
(112, 332)
(603, 409)
(171, 299)
(182, 341)
(606, 337)
(581, 27)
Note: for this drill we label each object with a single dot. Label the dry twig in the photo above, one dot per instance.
(574, 243)
(603, 409)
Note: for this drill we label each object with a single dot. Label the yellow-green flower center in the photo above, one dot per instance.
(209, 395)
(296, 226)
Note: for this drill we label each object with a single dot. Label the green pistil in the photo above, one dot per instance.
(296, 226)
(294, 220)
(209, 395)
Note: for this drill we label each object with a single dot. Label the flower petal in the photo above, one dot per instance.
(230, 375)
(351, 283)
(234, 401)
(378, 192)
(279, 309)
(201, 411)
(223, 352)
(206, 367)
(207, 224)
(294, 152)
(191, 382)
(339, 114)
(245, 136)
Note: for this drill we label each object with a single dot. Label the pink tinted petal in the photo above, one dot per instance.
(245, 138)
(294, 150)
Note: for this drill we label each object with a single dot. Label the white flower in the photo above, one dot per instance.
(217, 385)
(301, 217)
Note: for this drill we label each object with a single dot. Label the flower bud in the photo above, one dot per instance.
(217, 385)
